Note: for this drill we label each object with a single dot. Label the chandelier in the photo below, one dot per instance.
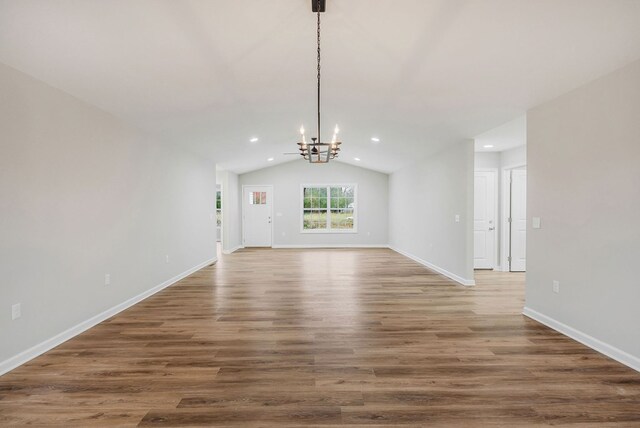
(316, 151)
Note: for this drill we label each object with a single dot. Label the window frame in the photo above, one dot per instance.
(328, 229)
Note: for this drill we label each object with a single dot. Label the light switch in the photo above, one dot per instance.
(16, 311)
(536, 222)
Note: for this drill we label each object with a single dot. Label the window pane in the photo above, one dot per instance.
(307, 220)
(319, 203)
(321, 219)
(257, 198)
(348, 192)
(314, 219)
(341, 219)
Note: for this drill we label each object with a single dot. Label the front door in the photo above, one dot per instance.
(256, 214)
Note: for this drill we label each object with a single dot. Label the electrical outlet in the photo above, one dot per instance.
(107, 279)
(556, 286)
(166, 259)
(535, 223)
(457, 218)
(16, 311)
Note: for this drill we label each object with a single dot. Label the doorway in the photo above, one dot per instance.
(257, 225)
(485, 237)
(218, 213)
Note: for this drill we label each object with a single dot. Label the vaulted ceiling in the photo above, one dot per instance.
(210, 75)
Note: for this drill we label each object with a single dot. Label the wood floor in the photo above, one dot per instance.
(323, 338)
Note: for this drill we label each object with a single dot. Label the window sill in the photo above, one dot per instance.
(328, 231)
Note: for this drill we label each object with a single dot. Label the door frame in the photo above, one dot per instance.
(506, 211)
(496, 223)
(270, 186)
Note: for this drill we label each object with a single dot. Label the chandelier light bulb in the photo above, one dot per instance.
(302, 130)
(336, 130)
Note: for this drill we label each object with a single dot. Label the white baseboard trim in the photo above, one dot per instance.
(331, 246)
(233, 250)
(590, 341)
(453, 276)
(41, 348)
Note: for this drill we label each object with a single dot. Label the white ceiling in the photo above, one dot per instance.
(504, 137)
(418, 74)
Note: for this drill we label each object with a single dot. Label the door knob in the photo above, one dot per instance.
(491, 228)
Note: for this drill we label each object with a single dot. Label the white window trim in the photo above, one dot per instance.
(328, 230)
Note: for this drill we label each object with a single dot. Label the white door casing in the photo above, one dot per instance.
(257, 207)
(518, 220)
(484, 219)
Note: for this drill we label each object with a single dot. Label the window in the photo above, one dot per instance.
(219, 208)
(329, 209)
(257, 198)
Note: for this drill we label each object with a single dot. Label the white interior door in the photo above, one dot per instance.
(256, 216)
(484, 220)
(518, 221)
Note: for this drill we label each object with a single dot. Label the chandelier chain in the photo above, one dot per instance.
(319, 140)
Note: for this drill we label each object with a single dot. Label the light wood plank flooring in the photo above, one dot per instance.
(323, 338)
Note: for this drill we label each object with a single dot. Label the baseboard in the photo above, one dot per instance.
(590, 341)
(453, 276)
(41, 348)
(233, 250)
(331, 246)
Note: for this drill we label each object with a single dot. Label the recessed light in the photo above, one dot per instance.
(375, 139)
(356, 159)
(488, 146)
(254, 140)
(270, 160)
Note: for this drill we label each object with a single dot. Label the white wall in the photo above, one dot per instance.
(584, 183)
(83, 195)
(231, 212)
(515, 157)
(424, 199)
(372, 201)
(487, 160)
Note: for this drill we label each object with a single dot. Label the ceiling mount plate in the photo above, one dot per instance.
(314, 5)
